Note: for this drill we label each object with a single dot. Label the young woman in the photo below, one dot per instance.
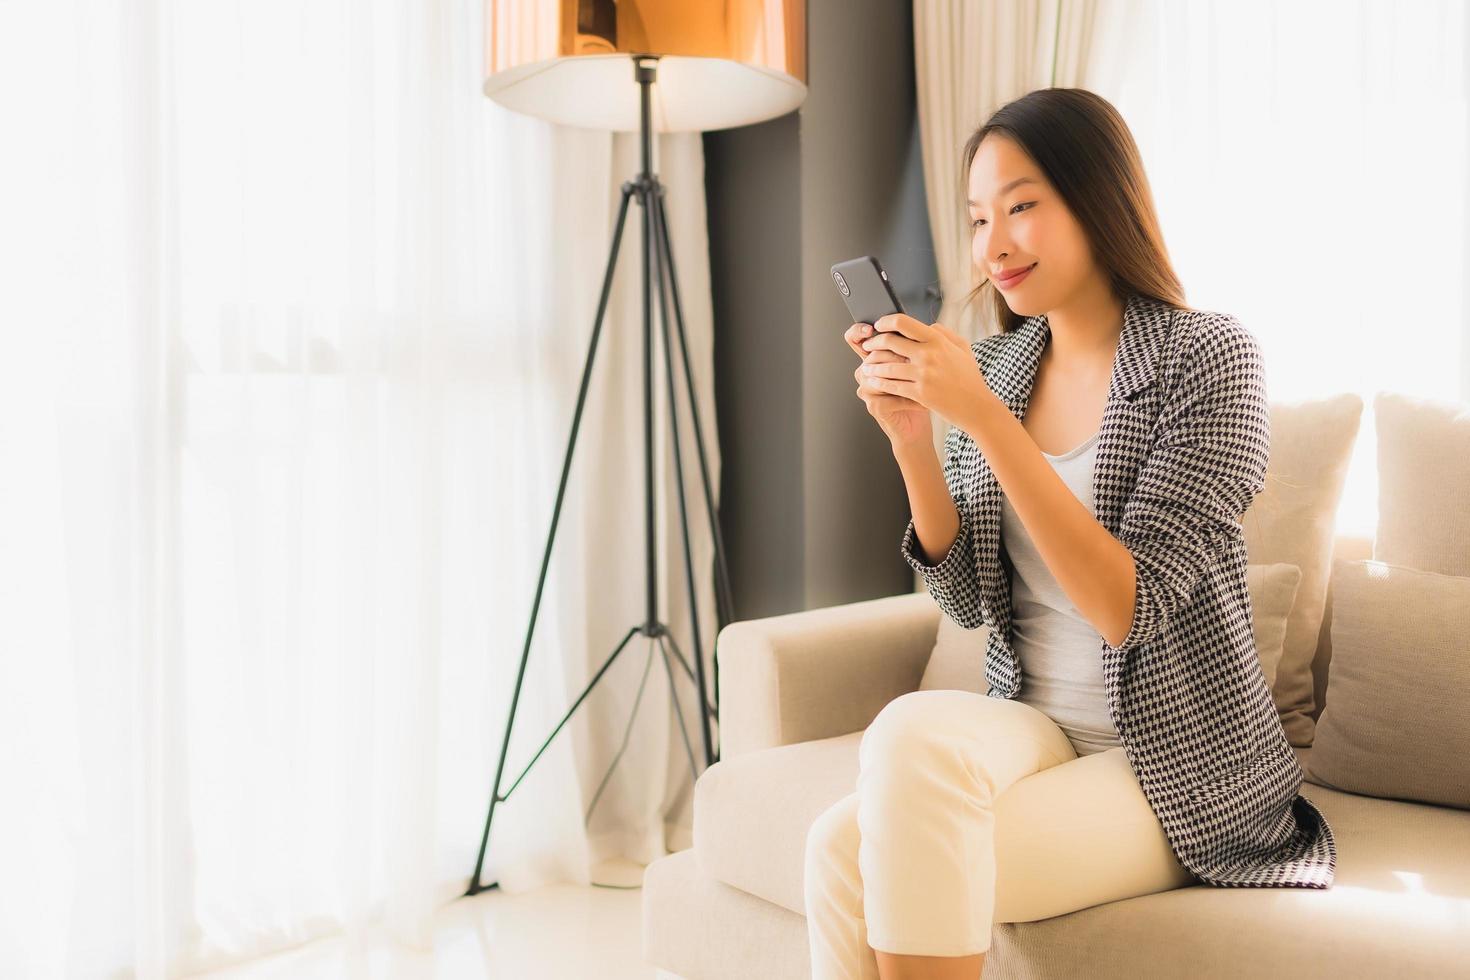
(1103, 446)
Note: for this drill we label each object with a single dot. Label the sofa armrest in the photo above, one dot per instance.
(821, 672)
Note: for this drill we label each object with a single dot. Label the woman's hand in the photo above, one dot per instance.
(905, 422)
(933, 367)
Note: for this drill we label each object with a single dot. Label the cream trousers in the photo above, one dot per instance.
(971, 810)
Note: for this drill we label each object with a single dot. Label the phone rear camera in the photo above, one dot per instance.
(841, 283)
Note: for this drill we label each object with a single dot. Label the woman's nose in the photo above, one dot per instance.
(991, 253)
(996, 252)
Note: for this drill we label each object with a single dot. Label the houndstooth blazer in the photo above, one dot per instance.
(1181, 453)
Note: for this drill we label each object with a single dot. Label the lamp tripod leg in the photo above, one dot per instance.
(629, 188)
(726, 609)
(657, 255)
(689, 578)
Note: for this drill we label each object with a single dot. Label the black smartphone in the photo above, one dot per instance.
(866, 290)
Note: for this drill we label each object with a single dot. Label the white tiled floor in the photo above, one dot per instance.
(559, 933)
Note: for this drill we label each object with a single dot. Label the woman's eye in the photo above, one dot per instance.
(1023, 204)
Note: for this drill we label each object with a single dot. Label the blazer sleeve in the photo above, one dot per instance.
(1206, 467)
(954, 581)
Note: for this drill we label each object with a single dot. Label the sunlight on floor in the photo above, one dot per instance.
(560, 933)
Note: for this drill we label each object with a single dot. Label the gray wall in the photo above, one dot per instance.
(812, 503)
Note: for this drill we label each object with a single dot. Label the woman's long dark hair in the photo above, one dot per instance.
(1087, 152)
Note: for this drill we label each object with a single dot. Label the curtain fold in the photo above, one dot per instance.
(291, 351)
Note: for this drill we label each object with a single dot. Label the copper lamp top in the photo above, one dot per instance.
(722, 63)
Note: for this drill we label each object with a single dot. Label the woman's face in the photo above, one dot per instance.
(1017, 219)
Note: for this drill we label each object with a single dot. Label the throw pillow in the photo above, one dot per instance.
(1293, 520)
(1394, 724)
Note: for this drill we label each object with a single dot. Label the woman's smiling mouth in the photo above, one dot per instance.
(1007, 280)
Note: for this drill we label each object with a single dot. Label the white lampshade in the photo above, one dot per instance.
(722, 63)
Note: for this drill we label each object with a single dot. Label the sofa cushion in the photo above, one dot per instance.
(1395, 723)
(958, 660)
(1293, 519)
(1423, 483)
(1403, 872)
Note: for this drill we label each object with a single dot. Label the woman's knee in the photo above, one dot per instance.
(915, 714)
(922, 720)
(964, 739)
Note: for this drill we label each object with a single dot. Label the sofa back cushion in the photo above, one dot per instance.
(1394, 723)
(1423, 483)
(1293, 520)
(958, 660)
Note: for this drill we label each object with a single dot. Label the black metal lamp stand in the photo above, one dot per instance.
(657, 256)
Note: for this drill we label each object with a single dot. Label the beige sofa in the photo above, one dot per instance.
(798, 691)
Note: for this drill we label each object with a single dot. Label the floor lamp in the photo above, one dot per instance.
(643, 66)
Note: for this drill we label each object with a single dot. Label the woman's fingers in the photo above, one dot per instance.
(879, 356)
(855, 335)
(879, 401)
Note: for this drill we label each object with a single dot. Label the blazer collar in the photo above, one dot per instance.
(1133, 363)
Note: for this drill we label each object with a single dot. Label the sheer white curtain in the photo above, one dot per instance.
(292, 332)
(1308, 160)
(1309, 163)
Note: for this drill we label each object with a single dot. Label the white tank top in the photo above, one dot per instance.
(1059, 650)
